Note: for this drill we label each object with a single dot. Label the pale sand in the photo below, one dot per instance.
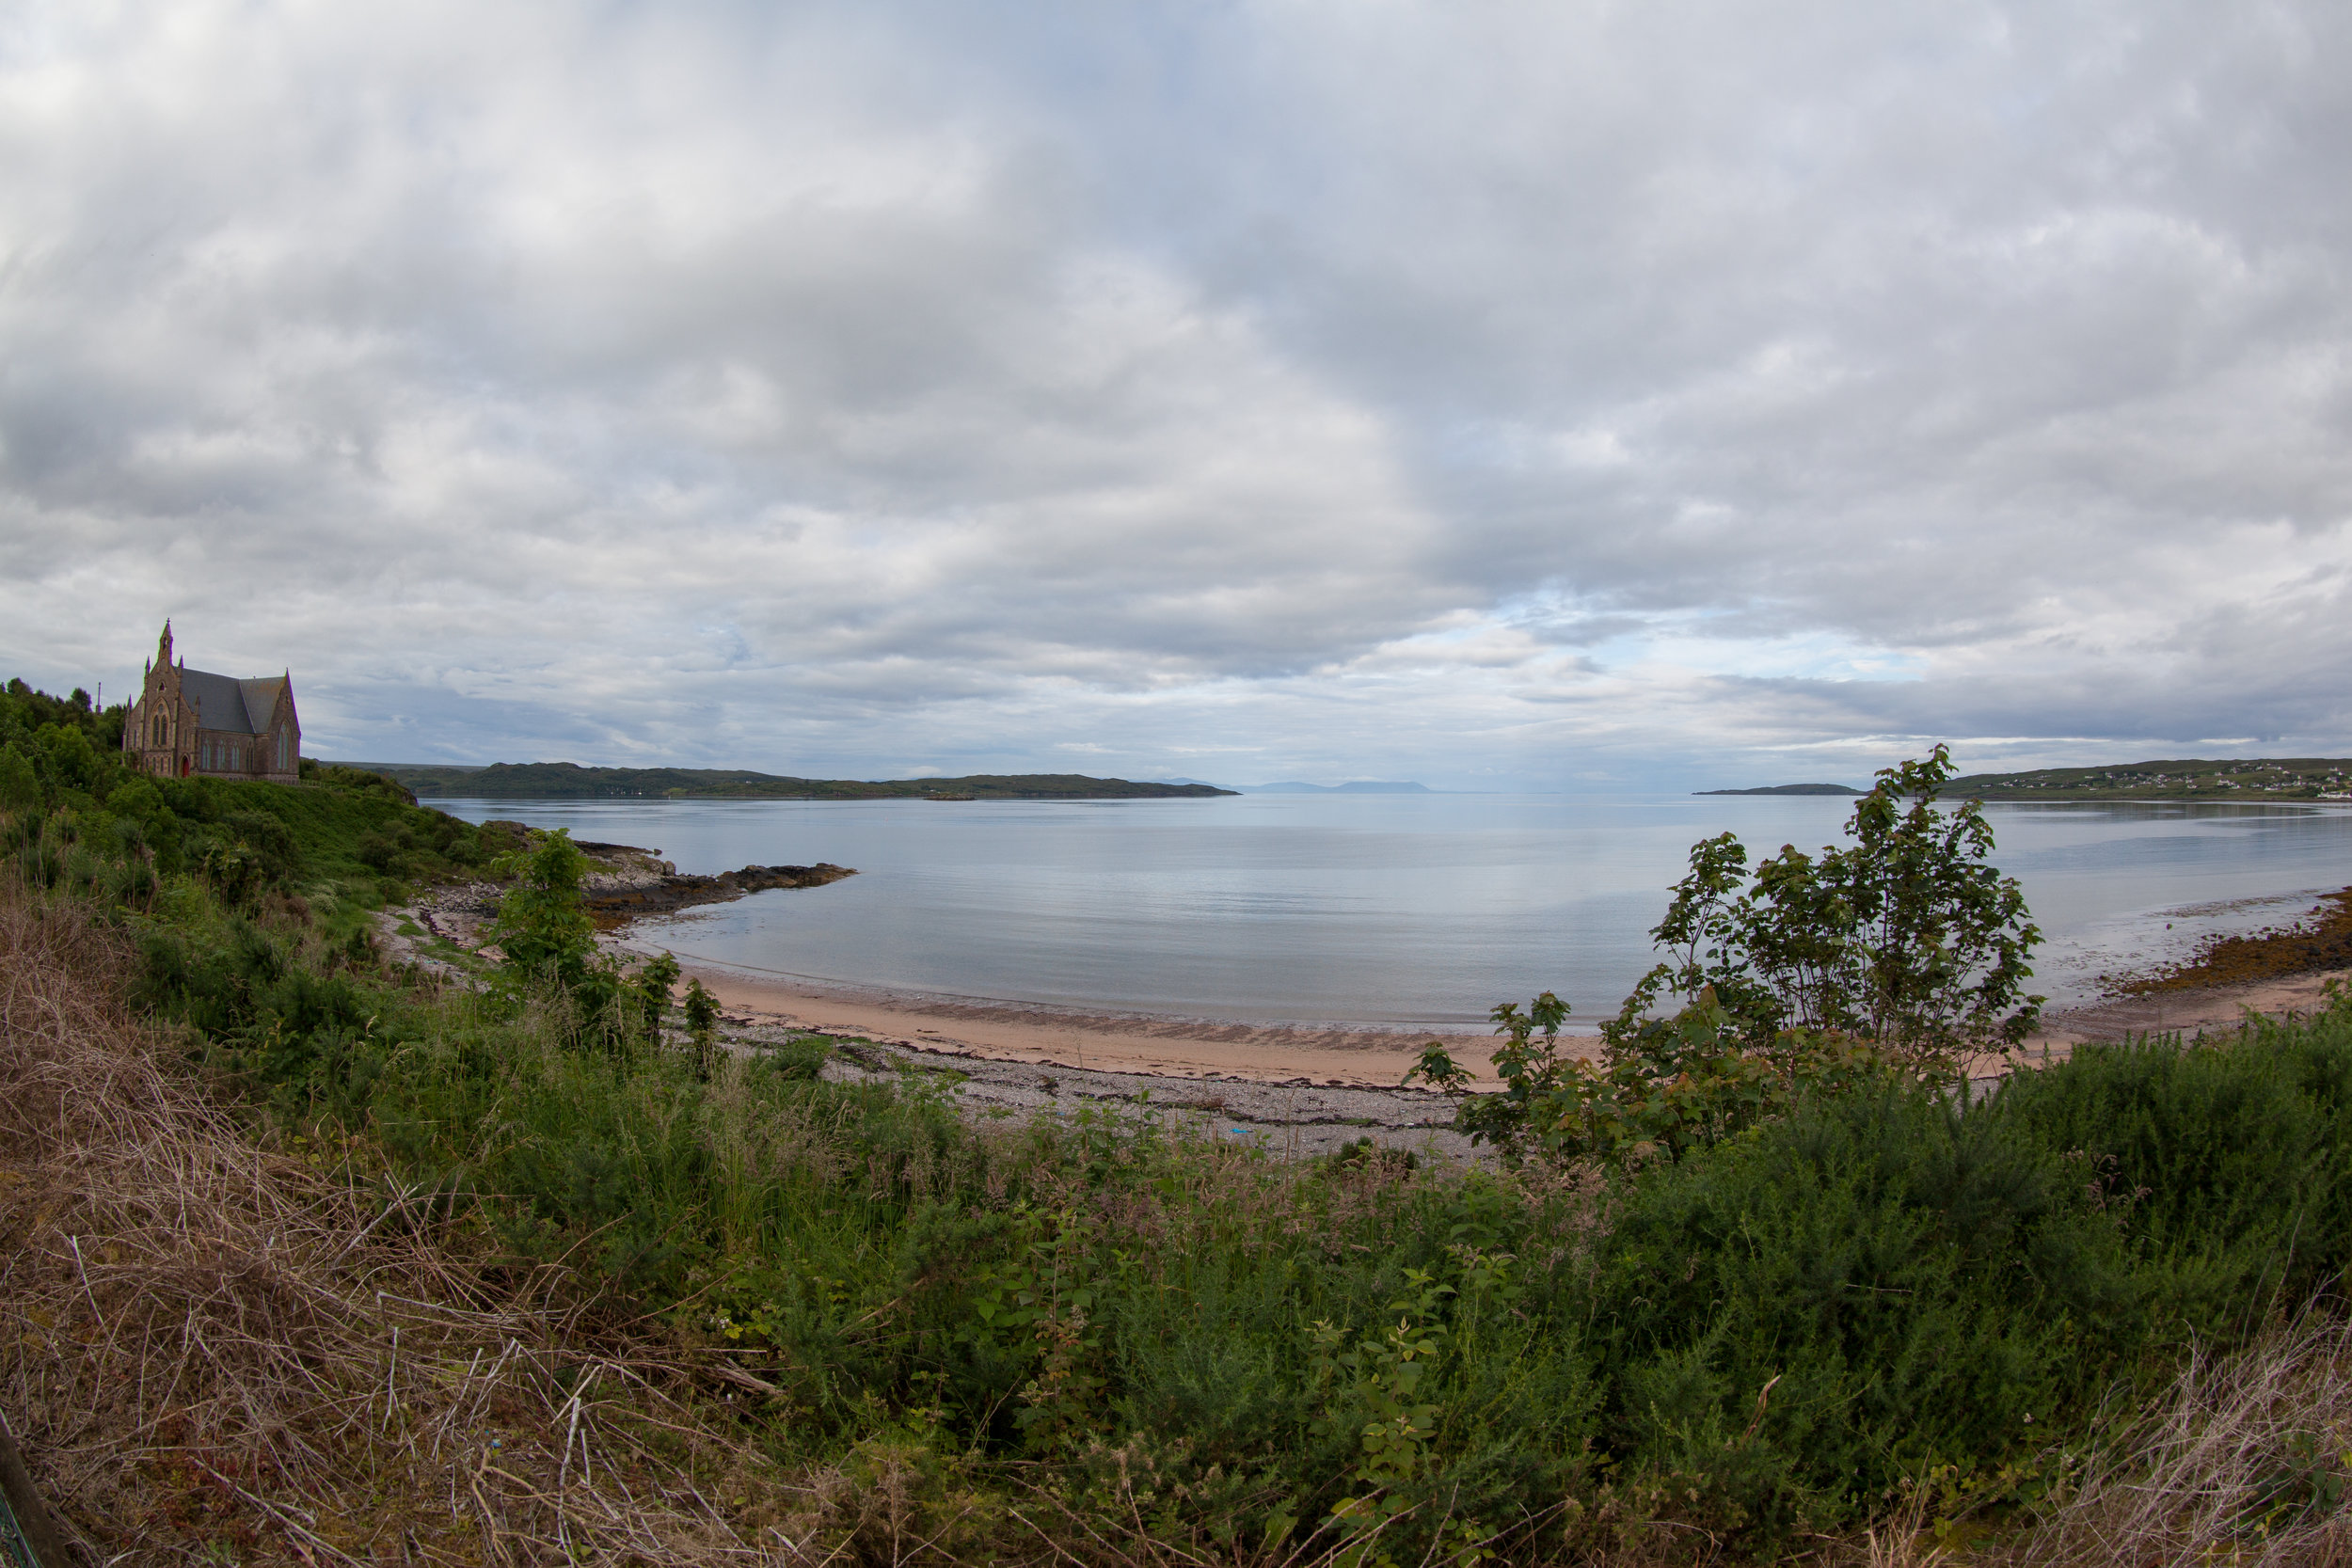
(2208, 1009)
(1360, 1056)
(1184, 1048)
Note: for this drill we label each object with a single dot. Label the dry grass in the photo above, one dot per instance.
(2244, 1462)
(209, 1350)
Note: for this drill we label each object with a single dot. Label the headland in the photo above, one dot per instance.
(566, 781)
(2242, 780)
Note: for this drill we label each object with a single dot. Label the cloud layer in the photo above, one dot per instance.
(1561, 397)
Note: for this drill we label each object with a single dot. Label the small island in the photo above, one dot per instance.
(1788, 789)
(566, 781)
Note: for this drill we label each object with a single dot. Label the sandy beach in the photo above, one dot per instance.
(1366, 1057)
(2203, 1009)
(1354, 1058)
(1182, 1048)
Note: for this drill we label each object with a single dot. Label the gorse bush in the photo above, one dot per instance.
(2227, 1228)
(1872, 1287)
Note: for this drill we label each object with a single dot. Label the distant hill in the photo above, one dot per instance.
(1361, 787)
(2184, 778)
(1788, 789)
(569, 781)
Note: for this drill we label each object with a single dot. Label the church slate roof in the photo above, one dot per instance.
(261, 698)
(224, 702)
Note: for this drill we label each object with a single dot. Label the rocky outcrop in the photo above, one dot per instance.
(611, 904)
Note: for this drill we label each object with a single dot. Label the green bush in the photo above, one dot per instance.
(1915, 1286)
(1663, 1090)
(19, 788)
(2230, 1163)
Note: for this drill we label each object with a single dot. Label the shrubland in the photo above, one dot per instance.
(80, 813)
(317, 1257)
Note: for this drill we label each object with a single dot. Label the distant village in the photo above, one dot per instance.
(2293, 778)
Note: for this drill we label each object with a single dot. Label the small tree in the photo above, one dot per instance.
(543, 929)
(701, 1022)
(1905, 949)
(654, 985)
(1908, 937)
(543, 925)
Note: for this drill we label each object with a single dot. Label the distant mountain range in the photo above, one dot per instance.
(569, 781)
(1361, 787)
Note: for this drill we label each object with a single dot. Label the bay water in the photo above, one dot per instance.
(1409, 910)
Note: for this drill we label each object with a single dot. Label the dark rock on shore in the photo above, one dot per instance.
(2321, 941)
(613, 904)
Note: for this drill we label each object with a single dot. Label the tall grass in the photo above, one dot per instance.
(2241, 1460)
(213, 1346)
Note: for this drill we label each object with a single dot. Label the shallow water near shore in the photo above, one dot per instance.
(1411, 911)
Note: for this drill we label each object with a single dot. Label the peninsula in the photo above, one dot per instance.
(2189, 779)
(570, 781)
(2186, 779)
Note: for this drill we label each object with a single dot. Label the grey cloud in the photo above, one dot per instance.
(1516, 391)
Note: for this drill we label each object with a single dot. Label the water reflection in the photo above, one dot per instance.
(1406, 909)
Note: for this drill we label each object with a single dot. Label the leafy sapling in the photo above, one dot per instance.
(1908, 937)
(702, 1024)
(654, 983)
(1904, 950)
(542, 924)
(1437, 1067)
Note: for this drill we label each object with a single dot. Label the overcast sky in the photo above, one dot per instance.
(1556, 396)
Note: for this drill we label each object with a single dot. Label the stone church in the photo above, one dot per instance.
(194, 722)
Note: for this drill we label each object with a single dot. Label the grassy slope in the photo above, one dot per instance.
(565, 780)
(2182, 779)
(1912, 1285)
(1869, 1286)
(360, 834)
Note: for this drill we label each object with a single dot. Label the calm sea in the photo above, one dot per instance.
(1415, 909)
